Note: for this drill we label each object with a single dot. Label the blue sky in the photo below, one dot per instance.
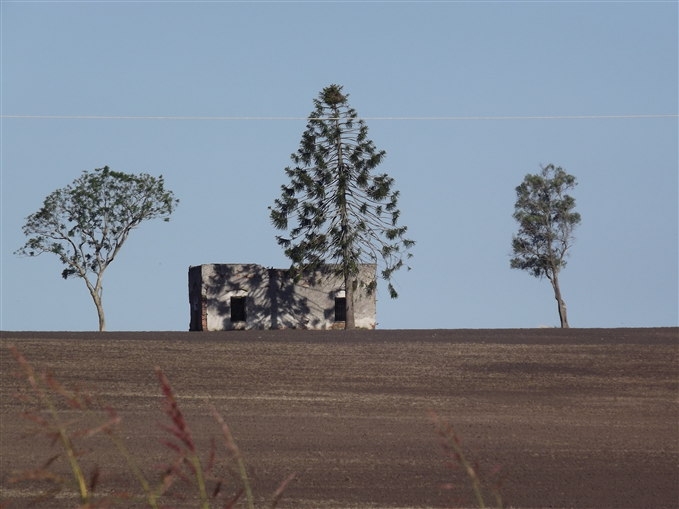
(465, 97)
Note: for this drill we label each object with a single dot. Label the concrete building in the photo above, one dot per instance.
(249, 296)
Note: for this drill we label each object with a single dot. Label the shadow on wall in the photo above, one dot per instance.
(247, 296)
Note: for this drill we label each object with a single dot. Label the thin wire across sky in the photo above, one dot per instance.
(283, 118)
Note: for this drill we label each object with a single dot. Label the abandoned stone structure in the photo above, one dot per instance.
(249, 296)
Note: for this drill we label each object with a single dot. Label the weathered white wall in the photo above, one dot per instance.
(273, 301)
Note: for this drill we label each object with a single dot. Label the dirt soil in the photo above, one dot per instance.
(579, 418)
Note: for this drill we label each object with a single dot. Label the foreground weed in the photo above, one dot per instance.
(184, 444)
(456, 457)
(188, 467)
(49, 401)
(235, 451)
(47, 397)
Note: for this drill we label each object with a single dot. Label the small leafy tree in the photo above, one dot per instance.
(546, 220)
(338, 213)
(87, 222)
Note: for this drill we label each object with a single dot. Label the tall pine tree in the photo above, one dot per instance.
(337, 213)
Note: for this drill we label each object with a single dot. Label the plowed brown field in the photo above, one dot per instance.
(579, 418)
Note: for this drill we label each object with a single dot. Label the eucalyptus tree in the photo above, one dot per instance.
(337, 211)
(87, 222)
(546, 217)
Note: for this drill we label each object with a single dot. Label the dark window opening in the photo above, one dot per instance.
(238, 309)
(340, 309)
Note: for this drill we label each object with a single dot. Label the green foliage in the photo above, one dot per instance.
(544, 212)
(87, 222)
(337, 213)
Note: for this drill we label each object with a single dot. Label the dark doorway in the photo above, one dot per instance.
(238, 309)
(340, 309)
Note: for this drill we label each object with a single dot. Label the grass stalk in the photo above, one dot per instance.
(151, 495)
(180, 430)
(46, 394)
(46, 402)
(451, 444)
(235, 451)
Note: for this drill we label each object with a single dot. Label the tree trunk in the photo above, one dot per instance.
(563, 315)
(102, 320)
(95, 292)
(350, 322)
